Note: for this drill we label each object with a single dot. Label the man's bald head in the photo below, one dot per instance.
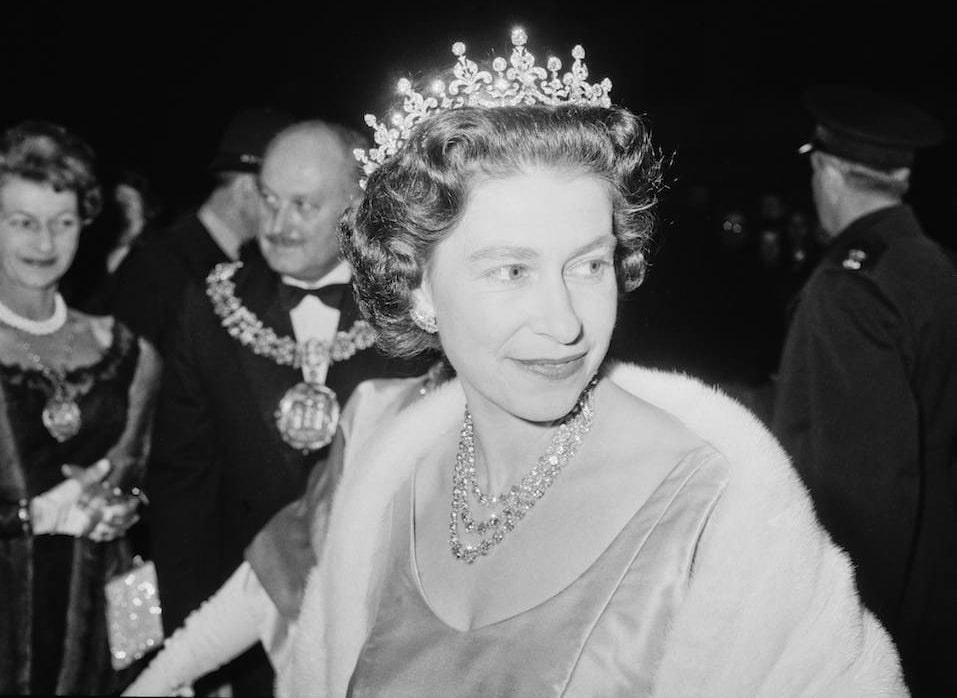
(321, 141)
(309, 177)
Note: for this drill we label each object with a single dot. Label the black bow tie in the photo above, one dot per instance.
(331, 295)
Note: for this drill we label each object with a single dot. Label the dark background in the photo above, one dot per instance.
(152, 84)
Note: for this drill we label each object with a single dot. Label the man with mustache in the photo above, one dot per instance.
(263, 357)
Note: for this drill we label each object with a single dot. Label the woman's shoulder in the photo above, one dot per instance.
(649, 451)
(644, 426)
(375, 400)
(764, 499)
(109, 337)
(99, 327)
(703, 411)
(759, 466)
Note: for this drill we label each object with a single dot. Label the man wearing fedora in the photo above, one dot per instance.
(152, 279)
(866, 401)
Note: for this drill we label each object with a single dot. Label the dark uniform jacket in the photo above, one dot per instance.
(219, 467)
(866, 405)
(151, 280)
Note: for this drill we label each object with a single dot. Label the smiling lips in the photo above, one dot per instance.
(280, 241)
(555, 369)
(39, 262)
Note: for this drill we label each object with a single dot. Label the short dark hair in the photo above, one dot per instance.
(46, 153)
(413, 199)
(152, 201)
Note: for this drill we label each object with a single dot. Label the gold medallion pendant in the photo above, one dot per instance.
(308, 413)
(61, 416)
(307, 416)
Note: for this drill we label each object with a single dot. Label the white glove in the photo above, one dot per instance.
(226, 625)
(58, 510)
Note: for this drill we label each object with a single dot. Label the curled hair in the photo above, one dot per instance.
(46, 153)
(414, 199)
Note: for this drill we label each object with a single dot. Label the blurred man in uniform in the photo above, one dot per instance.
(867, 397)
(153, 277)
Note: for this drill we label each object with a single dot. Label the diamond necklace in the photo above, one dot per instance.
(514, 503)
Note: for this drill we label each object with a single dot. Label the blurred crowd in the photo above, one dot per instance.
(724, 275)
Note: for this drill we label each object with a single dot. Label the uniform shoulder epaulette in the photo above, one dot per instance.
(864, 255)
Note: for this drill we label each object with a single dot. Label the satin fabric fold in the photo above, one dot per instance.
(584, 640)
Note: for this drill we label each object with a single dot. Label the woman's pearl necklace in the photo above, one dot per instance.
(36, 327)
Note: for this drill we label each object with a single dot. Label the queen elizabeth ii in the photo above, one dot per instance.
(544, 523)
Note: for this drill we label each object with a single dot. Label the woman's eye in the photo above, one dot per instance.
(67, 224)
(592, 268)
(21, 223)
(510, 272)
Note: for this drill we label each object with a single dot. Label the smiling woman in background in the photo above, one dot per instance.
(75, 392)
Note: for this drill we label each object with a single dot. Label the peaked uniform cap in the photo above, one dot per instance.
(868, 127)
(244, 141)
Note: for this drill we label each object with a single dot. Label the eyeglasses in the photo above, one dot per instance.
(25, 223)
(304, 209)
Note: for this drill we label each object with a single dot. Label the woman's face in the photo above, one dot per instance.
(524, 292)
(39, 232)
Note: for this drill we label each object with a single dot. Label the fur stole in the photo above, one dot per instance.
(771, 609)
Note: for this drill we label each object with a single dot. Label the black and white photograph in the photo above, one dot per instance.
(520, 349)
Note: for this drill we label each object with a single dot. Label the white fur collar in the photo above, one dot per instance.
(753, 622)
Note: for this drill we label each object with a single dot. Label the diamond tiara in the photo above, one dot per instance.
(516, 80)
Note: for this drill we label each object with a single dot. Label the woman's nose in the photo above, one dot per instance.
(45, 238)
(557, 317)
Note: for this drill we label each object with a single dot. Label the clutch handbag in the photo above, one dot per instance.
(133, 614)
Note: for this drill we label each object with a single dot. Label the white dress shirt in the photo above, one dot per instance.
(313, 319)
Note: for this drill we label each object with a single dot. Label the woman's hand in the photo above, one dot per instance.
(112, 511)
(58, 510)
(116, 514)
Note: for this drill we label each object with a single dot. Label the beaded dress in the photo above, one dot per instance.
(52, 607)
(602, 634)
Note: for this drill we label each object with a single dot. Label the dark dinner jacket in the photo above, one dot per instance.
(219, 468)
(150, 282)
